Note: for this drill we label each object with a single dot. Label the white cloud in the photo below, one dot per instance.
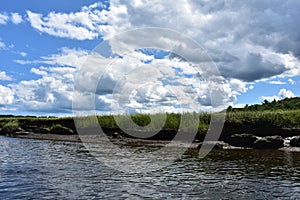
(3, 18)
(6, 96)
(282, 94)
(60, 25)
(53, 91)
(50, 93)
(16, 18)
(38, 72)
(65, 57)
(277, 82)
(85, 24)
(2, 45)
(291, 81)
(265, 47)
(5, 77)
(163, 84)
(23, 54)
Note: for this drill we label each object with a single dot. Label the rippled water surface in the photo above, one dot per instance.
(64, 170)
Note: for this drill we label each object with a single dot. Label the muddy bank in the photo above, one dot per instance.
(258, 134)
(96, 139)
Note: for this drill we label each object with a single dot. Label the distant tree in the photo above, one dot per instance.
(265, 102)
(229, 108)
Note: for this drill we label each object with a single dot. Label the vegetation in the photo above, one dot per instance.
(9, 126)
(268, 118)
(287, 118)
(60, 129)
(285, 104)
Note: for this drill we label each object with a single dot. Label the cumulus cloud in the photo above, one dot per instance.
(282, 94)
(16, 18)
(53, 90)
(5, 77)
(291, 81)
(248, 40)
(85, 24)
(6, 95)
(131, 84)
(50, 93)
(23, 54)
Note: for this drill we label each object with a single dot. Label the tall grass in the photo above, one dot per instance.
(285, 118)
(173, 121)
(9, 126)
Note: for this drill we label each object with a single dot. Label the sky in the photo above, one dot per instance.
(61, 56)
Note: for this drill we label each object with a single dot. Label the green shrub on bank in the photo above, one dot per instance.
(59, 129)
(10, 126)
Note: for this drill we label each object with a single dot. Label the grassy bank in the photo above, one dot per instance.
(261, 123)
(270, 118)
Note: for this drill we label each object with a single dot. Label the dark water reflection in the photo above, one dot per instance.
(62, 170)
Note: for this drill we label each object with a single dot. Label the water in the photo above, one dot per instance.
(64, 170)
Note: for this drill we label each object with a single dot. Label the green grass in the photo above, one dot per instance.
(280, 118)
(171, 121)
(9, 126)
(285, 118)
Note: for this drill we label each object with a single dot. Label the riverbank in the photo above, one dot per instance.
(236, 142)
(285, 123)
(248, 129)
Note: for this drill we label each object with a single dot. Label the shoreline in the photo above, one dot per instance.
(135, 142)
(120, 141)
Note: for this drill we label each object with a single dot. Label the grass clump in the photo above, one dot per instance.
(59, 129)
(10, 126)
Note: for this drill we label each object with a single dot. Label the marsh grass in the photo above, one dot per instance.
(172, 121)
(284, 118)
(9, 126)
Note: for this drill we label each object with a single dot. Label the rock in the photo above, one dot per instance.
(58, 129)
(116, 135)
(242, 140)
(295, 141)
(269, 142)
(206, 145)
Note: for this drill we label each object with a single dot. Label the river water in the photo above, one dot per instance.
(37, 169)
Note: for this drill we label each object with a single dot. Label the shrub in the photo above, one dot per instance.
(59, 129)
(10, 126)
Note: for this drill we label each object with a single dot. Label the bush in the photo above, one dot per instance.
(59, 129)
(10, 126)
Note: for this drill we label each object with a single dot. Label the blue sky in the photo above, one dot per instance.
(255, 46)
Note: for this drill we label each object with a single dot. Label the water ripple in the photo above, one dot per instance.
(64, 170)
